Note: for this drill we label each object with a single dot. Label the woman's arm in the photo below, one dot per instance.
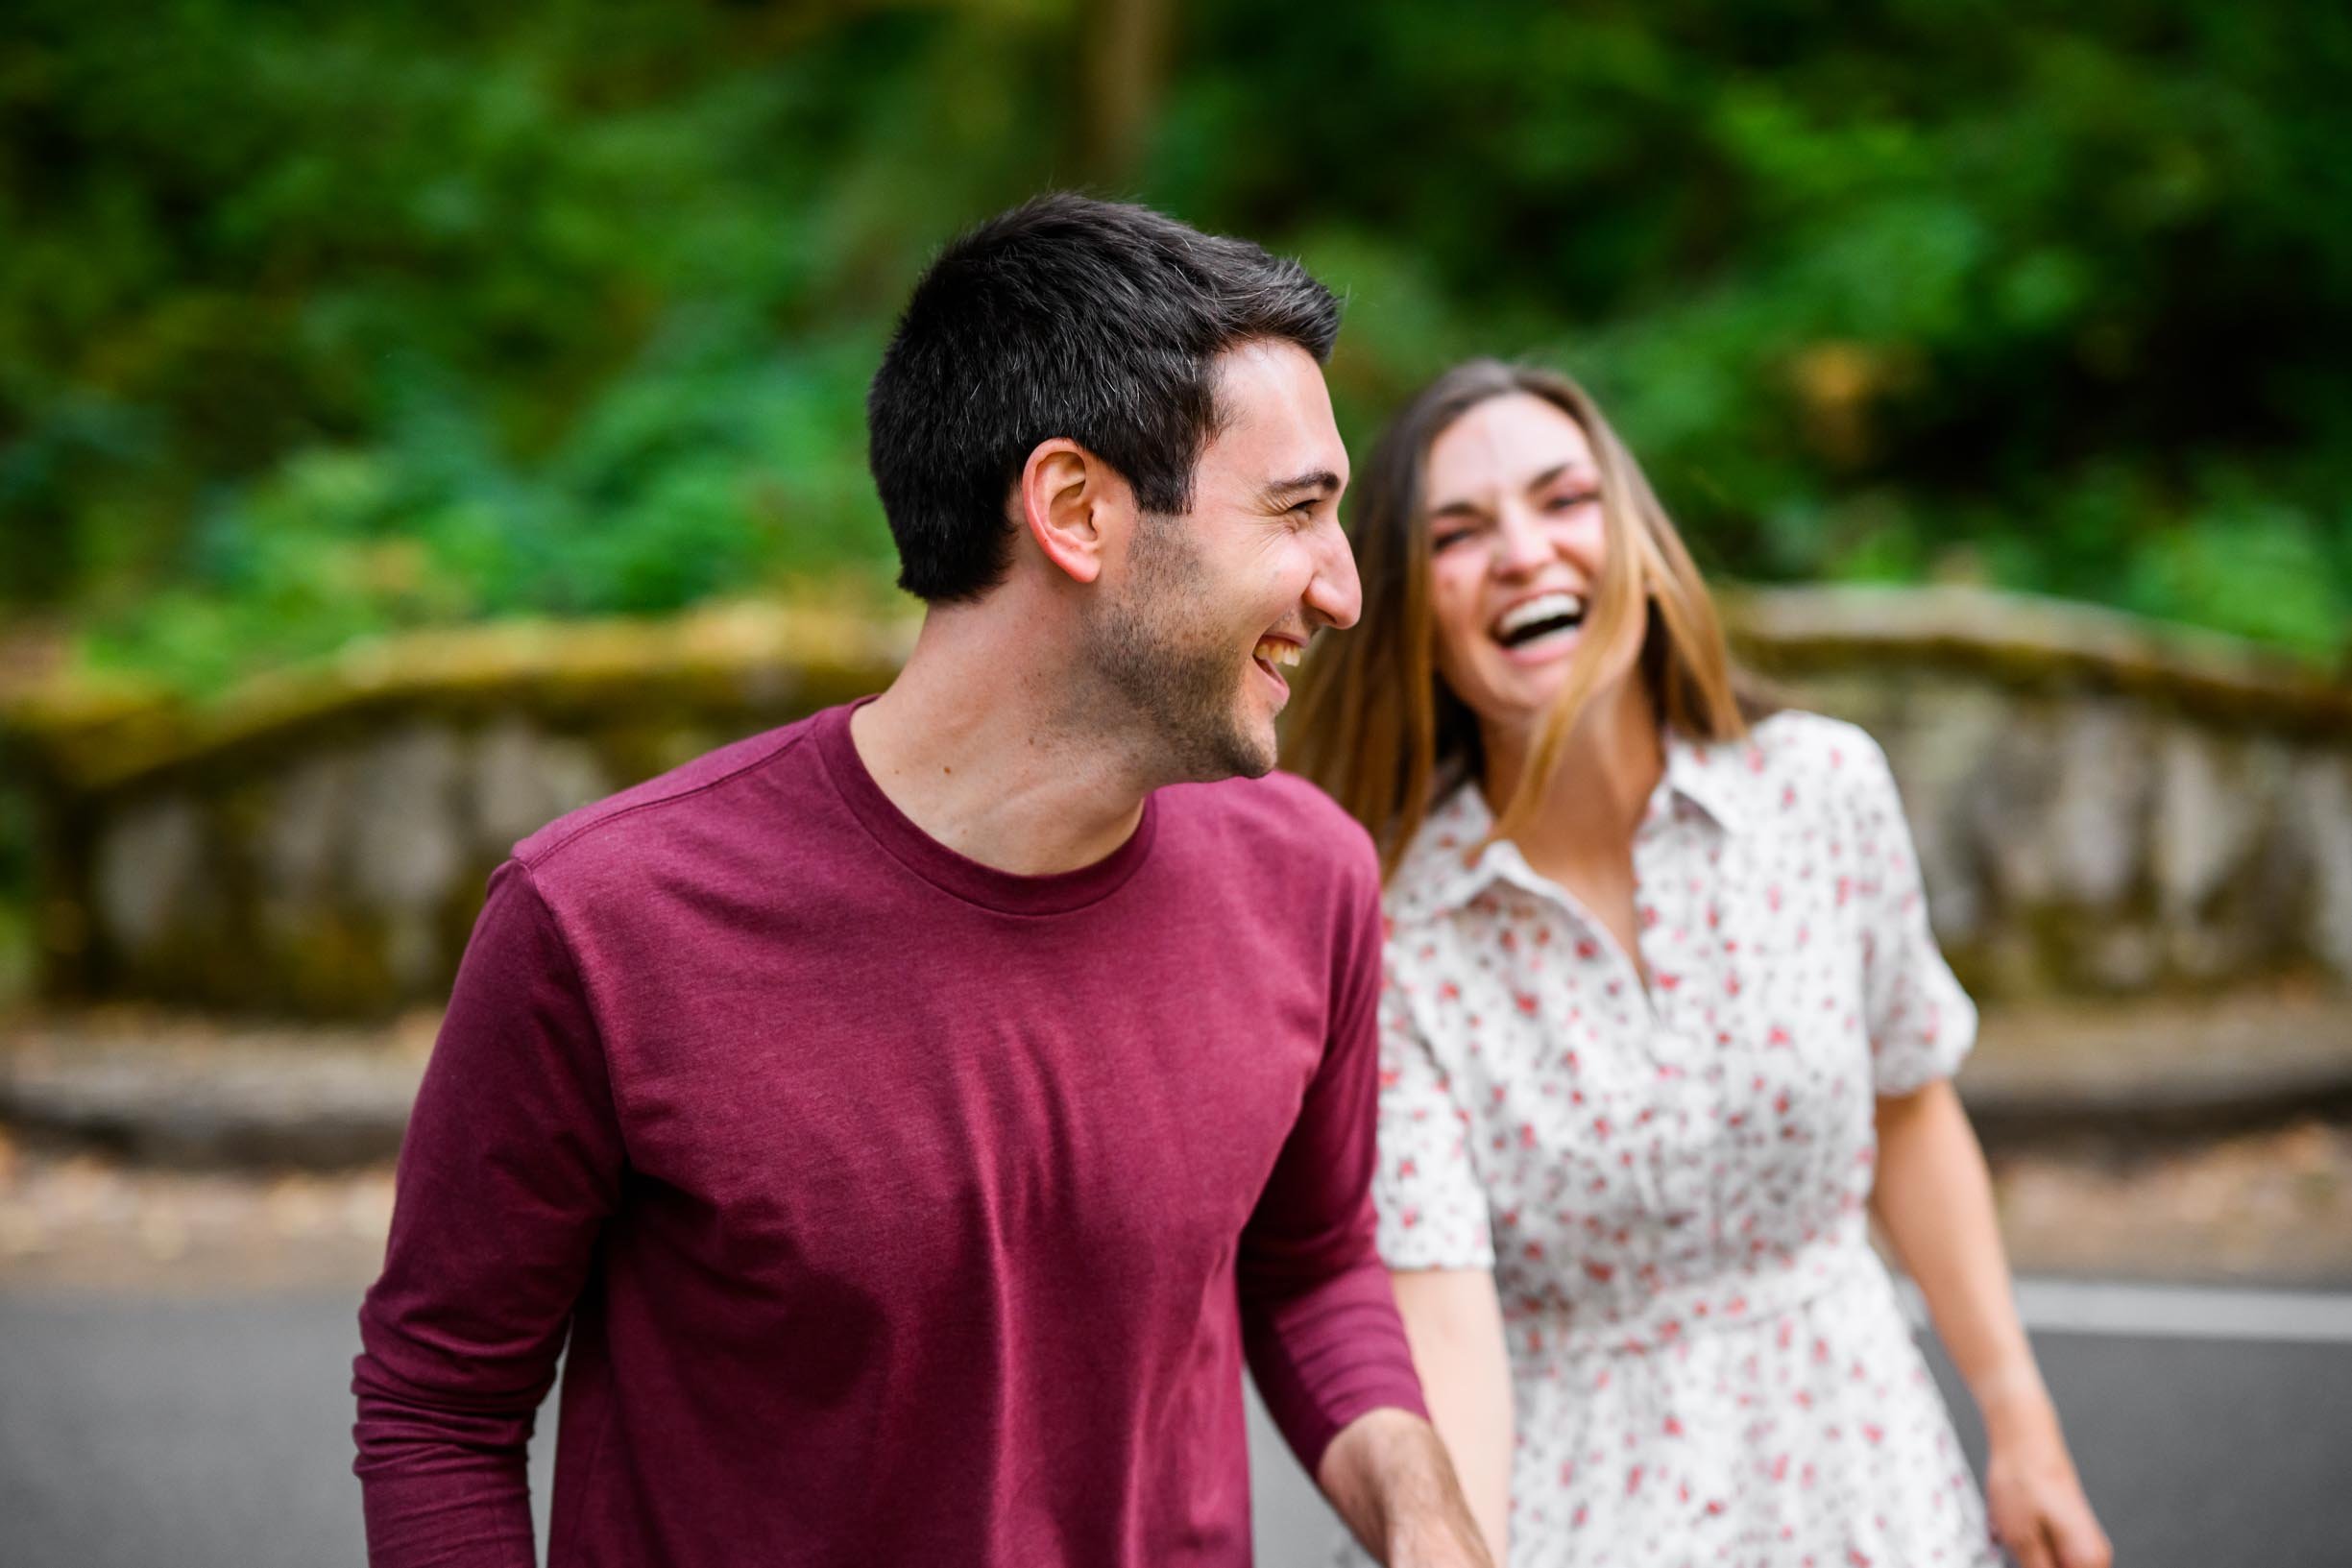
(1454, 1323)
(1934, 1198)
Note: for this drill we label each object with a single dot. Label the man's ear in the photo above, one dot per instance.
(1072, 503)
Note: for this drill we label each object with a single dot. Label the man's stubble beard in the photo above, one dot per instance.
(1165, 660)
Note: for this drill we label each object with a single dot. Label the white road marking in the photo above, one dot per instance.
(2174, 1312)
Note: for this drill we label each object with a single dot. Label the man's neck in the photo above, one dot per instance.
(984, 745)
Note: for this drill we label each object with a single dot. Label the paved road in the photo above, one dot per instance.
(215, 1435)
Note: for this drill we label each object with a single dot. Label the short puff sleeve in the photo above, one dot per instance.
(1432, 1210)
(1921, 1024)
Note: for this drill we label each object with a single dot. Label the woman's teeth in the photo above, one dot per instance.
(1544, 613)
(1275, 651)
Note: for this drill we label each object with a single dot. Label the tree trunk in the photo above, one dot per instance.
(1122, 48)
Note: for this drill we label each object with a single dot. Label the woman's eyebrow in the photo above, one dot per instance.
(1571, 469)
(1469, 509)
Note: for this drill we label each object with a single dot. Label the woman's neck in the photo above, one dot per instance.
(1594, 799)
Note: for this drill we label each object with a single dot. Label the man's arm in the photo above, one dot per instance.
(511, 1162)
(1389, 1479)
(1319, 1317)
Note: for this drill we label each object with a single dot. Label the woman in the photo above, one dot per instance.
(1663, 1026)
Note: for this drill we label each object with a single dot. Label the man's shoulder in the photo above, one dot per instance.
(708, 793)
(1282, 816)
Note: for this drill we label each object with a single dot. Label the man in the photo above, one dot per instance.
(915, 1113)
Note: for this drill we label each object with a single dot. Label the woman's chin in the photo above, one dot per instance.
(1545, 652)
(1515, 698)
(1511, 695)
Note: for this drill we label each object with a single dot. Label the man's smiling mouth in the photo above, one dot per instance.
(1273, 655)
(1275, 650)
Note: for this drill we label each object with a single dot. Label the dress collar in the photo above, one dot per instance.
(1716, 777)
(1435, 879)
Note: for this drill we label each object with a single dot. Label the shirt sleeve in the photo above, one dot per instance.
(1319, 1317)
(1921, 1024)
(511, 1163)
(1432, 1209)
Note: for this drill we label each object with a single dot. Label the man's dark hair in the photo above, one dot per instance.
(1066, 316)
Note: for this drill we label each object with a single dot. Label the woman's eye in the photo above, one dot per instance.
(1569, 500)
(1447, 538)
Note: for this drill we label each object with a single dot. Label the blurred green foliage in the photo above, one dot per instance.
(335, 318)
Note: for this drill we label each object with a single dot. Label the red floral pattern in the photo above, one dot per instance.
(1670, 1182)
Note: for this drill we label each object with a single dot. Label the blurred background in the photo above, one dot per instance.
(416, 419)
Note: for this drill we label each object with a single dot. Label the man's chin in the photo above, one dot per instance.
(1244, 749)
(1259, 763)
(1254, 751)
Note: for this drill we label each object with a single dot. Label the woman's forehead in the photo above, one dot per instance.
(1504, 443)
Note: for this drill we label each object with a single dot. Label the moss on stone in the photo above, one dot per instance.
(347, 814)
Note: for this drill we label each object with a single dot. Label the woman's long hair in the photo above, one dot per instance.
(1375, 725)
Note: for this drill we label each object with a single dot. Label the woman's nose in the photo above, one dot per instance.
(1522, 545)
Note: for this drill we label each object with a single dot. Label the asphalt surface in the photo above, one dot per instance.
(216, 1435)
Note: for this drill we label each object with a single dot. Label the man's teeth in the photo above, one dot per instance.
(1544, 606)
(1275, 651)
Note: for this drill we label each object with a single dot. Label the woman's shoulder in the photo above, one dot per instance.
(1792, 755)
(1796, 738)
(1436, 867)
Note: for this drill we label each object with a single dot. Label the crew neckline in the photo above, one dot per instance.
(1008, 892)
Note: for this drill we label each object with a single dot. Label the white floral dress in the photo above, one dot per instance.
(1710, 1363)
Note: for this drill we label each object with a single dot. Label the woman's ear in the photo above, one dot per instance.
(1072, 504)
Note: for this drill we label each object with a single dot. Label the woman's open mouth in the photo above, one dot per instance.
(1542, 624)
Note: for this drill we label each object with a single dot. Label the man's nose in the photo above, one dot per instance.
(1336, 594)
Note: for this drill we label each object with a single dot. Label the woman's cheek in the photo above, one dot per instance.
(1457, 656)
(1454, 603)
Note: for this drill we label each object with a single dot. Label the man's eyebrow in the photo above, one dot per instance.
(1284, 494)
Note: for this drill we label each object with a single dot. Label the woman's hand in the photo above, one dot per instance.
(1936, 1199)
(2038, 1508)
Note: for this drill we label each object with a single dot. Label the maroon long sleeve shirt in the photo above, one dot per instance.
(900, 1209)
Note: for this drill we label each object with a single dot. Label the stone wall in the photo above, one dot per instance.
(318, 843)
(2100, 807)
